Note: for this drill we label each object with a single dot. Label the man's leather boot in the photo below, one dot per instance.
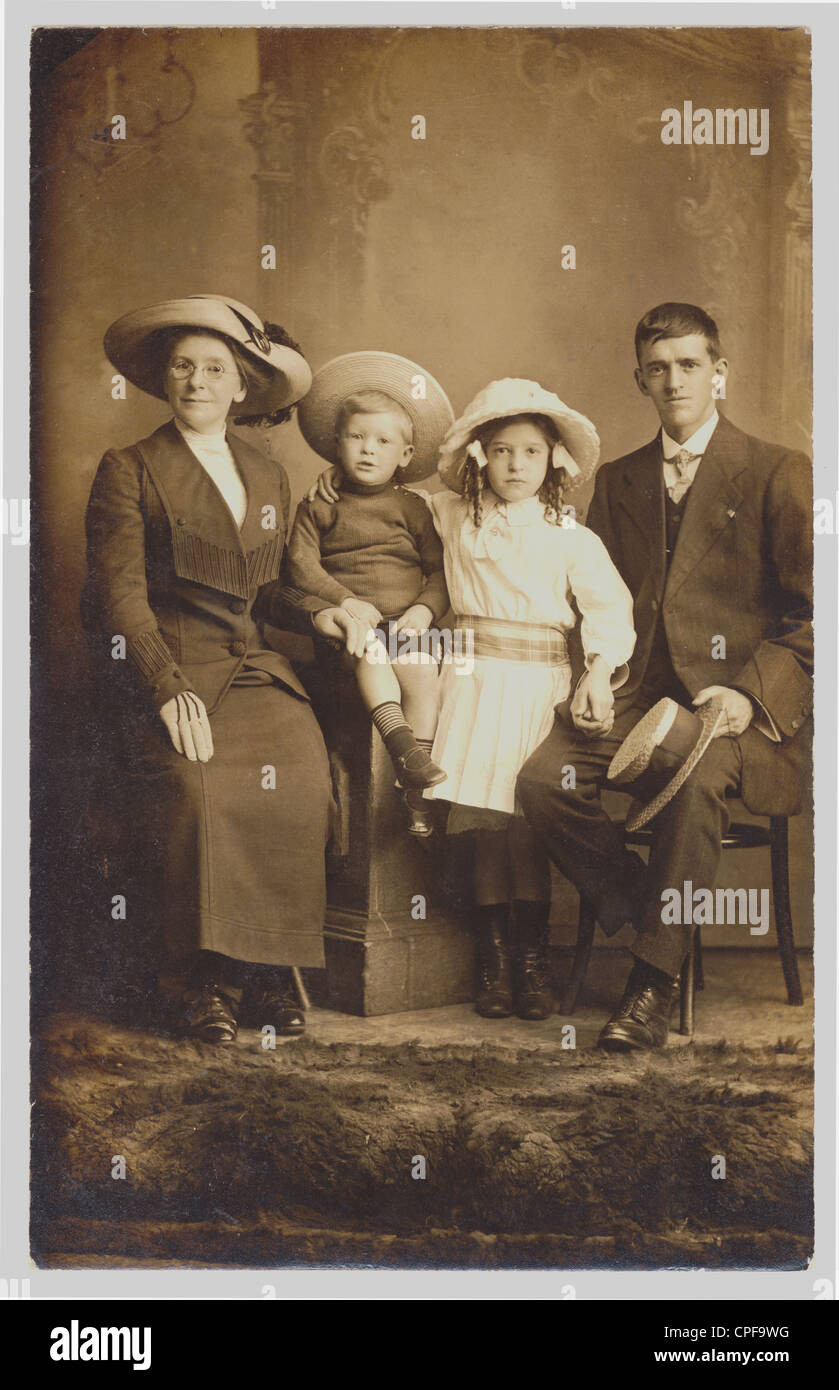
(642, 1020)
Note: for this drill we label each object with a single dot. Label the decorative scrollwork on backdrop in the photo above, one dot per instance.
(350, 166)
(90, 109)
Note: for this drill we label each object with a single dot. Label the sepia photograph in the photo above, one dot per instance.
(422, 666)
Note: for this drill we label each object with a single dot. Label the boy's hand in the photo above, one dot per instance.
(337, 622)
(417, 618)
(326, 486)
(592, 708)
(186, 719)
(365, 613)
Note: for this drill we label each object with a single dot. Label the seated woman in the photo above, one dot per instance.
(224, 774)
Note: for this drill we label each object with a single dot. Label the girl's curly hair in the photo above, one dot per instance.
(552, 489)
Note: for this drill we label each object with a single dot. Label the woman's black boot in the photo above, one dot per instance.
(494, 997)
(532, 970)
(274, 1001)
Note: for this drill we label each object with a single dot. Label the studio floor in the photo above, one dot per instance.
(744, 1001)
(539, 1154)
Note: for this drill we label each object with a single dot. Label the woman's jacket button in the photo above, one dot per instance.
(181, 520)
(237, 605)
(237, 648)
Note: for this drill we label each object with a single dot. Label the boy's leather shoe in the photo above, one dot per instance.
(642, 1020)
(209, 1015)
(420, 815)
(415, 769)
(420, 824)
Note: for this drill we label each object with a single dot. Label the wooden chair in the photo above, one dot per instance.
(739, 836)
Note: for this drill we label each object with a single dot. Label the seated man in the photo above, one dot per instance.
(711, 530)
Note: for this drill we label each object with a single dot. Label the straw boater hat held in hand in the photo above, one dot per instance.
(276, 373)
(683, 735)
(394, 376)
(577, 451)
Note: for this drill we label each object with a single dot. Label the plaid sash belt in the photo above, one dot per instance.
(503, 640)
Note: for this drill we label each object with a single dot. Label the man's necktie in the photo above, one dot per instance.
(681, 462)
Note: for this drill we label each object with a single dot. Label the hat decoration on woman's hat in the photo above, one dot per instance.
(409, 385)
(578, 449)
(281, 376)
(682, 733)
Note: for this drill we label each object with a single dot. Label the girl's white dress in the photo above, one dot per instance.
(520, 567)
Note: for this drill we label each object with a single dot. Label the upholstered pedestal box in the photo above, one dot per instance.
(397, 937)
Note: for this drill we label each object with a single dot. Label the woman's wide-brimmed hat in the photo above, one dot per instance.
(285, 374)
(682, 733)
(578, 451)
(396, 377)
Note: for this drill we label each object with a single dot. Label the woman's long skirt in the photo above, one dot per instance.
(230, 853)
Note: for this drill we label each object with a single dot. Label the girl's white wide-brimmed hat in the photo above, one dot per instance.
(286, 375)
(579, 447)
(685, 735)
(398, 378)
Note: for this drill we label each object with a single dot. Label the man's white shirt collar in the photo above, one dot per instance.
(698, 442)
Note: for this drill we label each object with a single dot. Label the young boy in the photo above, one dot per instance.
(375, 553)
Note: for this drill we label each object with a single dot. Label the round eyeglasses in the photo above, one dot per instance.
(181, 368)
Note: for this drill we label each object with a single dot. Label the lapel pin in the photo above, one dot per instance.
(730, 511)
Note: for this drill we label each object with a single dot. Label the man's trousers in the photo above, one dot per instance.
(559, 788)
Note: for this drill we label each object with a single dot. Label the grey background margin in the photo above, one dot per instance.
(823, 20)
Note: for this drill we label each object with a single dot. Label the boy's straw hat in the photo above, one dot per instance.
(682, 733)
(579, 448)
(398, 378)
(127, 347)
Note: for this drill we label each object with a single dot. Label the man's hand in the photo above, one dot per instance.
(185, 716)
(365, 613)
(326, 486)
(737, 707)
(593, 706)
(417, 618)
(337, 622)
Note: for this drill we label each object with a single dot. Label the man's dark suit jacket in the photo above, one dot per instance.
(742, 570)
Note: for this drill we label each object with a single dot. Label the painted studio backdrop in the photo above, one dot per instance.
(524, 235)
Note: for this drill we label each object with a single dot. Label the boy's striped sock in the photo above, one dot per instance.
(397, 733)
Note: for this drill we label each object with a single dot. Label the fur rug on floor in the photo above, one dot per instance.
(307, 1154)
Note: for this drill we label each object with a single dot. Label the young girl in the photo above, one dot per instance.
(513, 563)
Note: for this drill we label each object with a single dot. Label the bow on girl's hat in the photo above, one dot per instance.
(577, 449)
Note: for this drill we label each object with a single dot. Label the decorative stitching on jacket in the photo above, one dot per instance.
(150, 654)
(222, 569)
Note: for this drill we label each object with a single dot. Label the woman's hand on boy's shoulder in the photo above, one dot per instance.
(326, 485)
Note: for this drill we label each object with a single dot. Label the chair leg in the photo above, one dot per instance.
(779, 849)
(582, 955)
(687, 990)
(300, 988)
(698, 967)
